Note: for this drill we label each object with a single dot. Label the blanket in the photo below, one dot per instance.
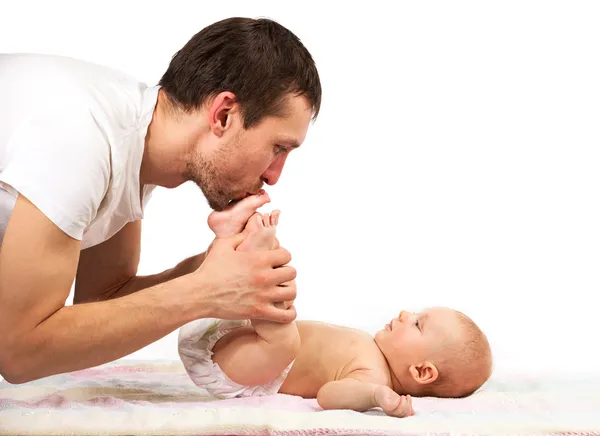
(158, 398)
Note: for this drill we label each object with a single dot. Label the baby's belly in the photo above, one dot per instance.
(317, 362)
(324, 356)
(303, 381)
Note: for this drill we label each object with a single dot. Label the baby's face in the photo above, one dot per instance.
(411, 337)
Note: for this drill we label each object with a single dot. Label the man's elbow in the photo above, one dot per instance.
(12, 368)
(11, 376)
(15, 378)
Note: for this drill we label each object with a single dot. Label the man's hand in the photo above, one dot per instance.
(40, 336)
(245, 285)
(109, 270)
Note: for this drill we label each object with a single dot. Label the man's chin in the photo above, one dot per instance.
(239, 197)
(236, 200)
(217, 204)
(220, 202)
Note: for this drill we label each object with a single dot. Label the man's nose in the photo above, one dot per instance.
(273, 173)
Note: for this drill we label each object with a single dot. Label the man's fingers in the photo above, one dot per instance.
(228, 243)
(280, 293)
(282, 316)
(278, 257)
(282, 275)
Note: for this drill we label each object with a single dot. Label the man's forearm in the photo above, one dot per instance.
(90, 334)
(138, 283)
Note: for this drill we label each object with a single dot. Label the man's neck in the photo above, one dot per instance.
(163, 162)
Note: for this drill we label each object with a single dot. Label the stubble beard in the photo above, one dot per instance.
(207, 177)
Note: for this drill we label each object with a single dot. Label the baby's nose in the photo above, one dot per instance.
(405, 316)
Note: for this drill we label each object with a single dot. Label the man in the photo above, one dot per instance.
(82, 147)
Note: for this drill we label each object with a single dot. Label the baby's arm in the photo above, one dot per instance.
(355, 393)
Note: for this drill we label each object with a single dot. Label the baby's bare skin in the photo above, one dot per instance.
(329, 353)
(342, 367)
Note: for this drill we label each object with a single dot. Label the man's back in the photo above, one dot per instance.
(34, 82)
(63, 118)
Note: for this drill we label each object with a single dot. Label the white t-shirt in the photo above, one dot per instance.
(71, 141)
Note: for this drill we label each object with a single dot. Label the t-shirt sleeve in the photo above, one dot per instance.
(61, 162)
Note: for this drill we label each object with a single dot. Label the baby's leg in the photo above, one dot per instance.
(256, 355)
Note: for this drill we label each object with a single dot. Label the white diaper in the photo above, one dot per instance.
(196, 340)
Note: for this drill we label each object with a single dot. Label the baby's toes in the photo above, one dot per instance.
(275, 217)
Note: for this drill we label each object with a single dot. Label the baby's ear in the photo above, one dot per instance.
(424, 373)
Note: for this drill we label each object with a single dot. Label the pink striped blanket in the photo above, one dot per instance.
(157, 398)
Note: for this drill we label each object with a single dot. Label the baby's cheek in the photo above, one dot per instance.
(399, 339)
(393, 345)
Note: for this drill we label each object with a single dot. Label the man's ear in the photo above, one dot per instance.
(220, 112)
(424, 373)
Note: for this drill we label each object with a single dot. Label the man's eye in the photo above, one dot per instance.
(280, 149)
(417, 324)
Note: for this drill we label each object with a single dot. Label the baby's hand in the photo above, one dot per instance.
(232, 220)
(393, 404)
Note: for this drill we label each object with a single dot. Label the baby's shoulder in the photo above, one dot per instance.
(367, 363)
(367, 371)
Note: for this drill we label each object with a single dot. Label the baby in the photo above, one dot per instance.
(438, 352)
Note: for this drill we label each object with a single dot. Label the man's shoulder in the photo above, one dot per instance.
(48, 81)
(55, 67)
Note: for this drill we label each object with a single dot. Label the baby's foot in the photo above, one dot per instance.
(261, 231)
(231, 221)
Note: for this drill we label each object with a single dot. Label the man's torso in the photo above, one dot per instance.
(52, 93)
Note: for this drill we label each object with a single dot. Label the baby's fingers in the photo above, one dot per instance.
(404, 407)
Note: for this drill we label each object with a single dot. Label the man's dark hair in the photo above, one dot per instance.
(258, 60)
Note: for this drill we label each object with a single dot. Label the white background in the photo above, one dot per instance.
(456, 160)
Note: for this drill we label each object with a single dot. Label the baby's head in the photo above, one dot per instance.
(439, 352)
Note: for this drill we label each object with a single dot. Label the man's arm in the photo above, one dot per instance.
(39, 336)
(109, 270)
(358, 392)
